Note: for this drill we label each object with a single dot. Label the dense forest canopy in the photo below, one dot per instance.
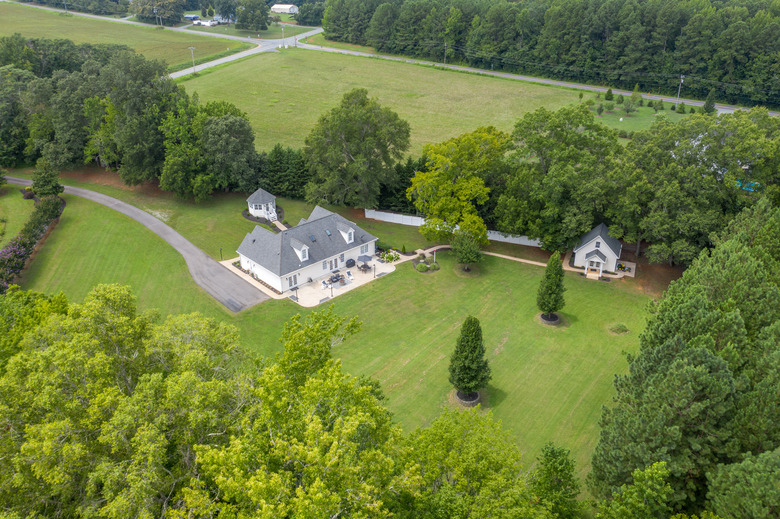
(730, 46)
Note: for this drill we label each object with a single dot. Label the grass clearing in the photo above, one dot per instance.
(172, 47)
(319, 39)
(549, 383)
(14, 212)
(642, 119)
(274, 32)
(284, 93)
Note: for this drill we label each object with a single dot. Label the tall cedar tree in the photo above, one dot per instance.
(469, 370)
(549, 299)
(46, 179)
(709, 103)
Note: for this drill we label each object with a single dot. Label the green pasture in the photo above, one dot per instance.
(642, 119)
(274, 32)
(284, 93)
(319, 39)
(14, 211)
(548, 383)
(172, 47)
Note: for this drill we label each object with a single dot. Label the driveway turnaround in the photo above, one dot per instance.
(221, 284)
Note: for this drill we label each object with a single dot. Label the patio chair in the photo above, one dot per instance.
(324, 285)
(349, 275)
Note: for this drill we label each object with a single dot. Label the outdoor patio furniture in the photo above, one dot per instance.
(350, 263)
(349, 276)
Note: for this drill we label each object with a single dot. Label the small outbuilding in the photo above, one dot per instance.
(598, 250)
(262, 204)
(284, 9)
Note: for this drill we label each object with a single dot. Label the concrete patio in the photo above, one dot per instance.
(312, 294)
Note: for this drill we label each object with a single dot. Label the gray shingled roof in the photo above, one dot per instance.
(595, 252)
(261, 196)
(275, 251)
(601, 231)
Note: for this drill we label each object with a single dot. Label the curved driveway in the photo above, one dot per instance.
(221, 284)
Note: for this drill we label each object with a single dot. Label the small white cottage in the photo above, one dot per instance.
(262, 204)
(598, 250)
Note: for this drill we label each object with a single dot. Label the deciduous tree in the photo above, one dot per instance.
(352, 151)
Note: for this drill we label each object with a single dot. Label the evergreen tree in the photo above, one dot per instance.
(46, 179)
(549, 299)
(469, 370)
(609, 96)
(554, 482)
(709, 103)
(681, 108)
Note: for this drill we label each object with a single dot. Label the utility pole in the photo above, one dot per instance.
(192, 52)
(282, 35)
(66, 5)
(678, 89)
(445, 53)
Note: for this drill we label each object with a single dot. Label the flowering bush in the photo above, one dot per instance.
(14, 255)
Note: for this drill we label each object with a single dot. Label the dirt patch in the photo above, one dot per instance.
(100, 176)
(500, 347)
(651, 278)
(562, 323)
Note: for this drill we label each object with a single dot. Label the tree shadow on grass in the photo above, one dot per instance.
(492, 397)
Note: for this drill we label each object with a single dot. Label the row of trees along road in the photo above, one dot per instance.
(730, 45)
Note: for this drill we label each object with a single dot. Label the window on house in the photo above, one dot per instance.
(350, 237)
(342, 257)
(292, 280)
(325, 265)
(304, 254)
(363, 249)
(598, 244)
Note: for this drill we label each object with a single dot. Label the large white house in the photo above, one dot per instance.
(598, 250)
(304, 253)
(284, 9)
(262, 204)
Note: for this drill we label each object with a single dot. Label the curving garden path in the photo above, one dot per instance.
(220, 283)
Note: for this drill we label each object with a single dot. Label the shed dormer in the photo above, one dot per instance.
(300, 248)
(347, 232)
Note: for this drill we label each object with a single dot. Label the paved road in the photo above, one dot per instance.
(221, 284)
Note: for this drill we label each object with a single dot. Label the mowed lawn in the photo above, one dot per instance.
(172, 47)
(548, 383)
(14, 211)
(274, 32)
(284, 93)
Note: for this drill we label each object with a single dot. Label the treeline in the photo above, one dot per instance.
(703, 393)
(731, 46)
(108, 412)
(80, 104)
(104, 7)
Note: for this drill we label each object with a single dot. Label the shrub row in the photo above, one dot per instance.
(16, 253)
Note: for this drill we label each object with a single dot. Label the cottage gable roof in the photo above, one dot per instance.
(276, 252)
(261, 196)
(601, 231)
(597, 253)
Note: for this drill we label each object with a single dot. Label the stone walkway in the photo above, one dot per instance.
(220, 283)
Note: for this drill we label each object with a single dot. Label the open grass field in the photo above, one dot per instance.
(14, 211)
(284, 93)
(548, 383)
(319, 39)
(274, 32)
(168, 46)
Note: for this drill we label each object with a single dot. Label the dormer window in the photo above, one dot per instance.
(300, 248)
(350, 237)
(598, 244)
(305, 254)
(347, 232)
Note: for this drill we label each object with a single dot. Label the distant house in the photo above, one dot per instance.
(191, 17)
(598, 250)
(262, 204)
(307, 252)
(284, 9)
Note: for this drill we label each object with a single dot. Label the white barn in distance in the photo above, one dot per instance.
(284, 9)
(598, 250)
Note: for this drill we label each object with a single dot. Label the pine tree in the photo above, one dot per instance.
(46, 179)
(554, 482)
(549, 299)
(609, 96)
(709, 103)
(469, 370)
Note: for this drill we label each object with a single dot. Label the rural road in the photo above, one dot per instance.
(221, 284)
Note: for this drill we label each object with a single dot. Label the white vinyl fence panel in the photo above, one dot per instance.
(416, 221)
